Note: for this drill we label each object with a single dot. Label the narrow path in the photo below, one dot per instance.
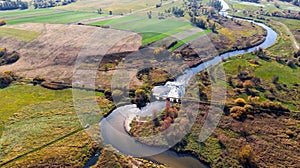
(292, 37)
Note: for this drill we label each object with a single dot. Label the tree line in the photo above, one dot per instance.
(19, 4)
(10, 5)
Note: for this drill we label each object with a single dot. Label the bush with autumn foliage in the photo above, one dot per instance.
(2, 22)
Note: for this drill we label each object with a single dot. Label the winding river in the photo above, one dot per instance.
(113, 127)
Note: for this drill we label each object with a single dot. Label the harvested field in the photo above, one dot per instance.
(54, 52)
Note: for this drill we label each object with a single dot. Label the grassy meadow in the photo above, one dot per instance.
(35, 121)
(116, 6)
(18, 34)
(17, 97)
(47, 16)
(151, 29)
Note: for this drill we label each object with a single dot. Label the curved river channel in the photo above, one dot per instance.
(113, 127)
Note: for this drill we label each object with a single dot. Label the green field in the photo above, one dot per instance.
(188, 39)
(151, 29)
(266, 70)
(116, 6)
(18, 96)
(47, 16)
(18, 34)
(39, 121)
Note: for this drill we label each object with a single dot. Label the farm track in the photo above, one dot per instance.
(99, 19)
(292, 37)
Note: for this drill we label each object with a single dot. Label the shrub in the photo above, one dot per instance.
(243, 75)
(2, 22)
(253, 99)
(247, 157)
(291, 64)
(248, 84)
(141, 98)
(2, 52)
(240, 101)
(248, 108)
(117, 93)
(12, 58)
(238, 112)
(38, 80)
(6, 79)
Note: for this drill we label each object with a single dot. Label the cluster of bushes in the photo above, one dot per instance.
(176, 11)
(8, 58)
(286, 14)
(261, 53)
(6, 78)
(292, 63)
(242, 110)
(277, 106)
(10, 5)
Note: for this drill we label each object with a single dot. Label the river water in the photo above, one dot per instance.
(113, 127)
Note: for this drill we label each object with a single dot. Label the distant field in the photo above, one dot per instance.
(18, 34)
(151, 29)
(47, 16)
(266, 5)
(116, 6)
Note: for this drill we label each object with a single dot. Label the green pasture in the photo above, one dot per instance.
(47, 16)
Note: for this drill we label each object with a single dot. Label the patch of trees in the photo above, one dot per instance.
(178, 12)
(167, 117)
(255, 1)
(201, 23)
(296, 2)
(286, 14)
(141, 98)
(50, 3)
(215, 4)
(149, 14)
(10, 5)
(100, 11)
